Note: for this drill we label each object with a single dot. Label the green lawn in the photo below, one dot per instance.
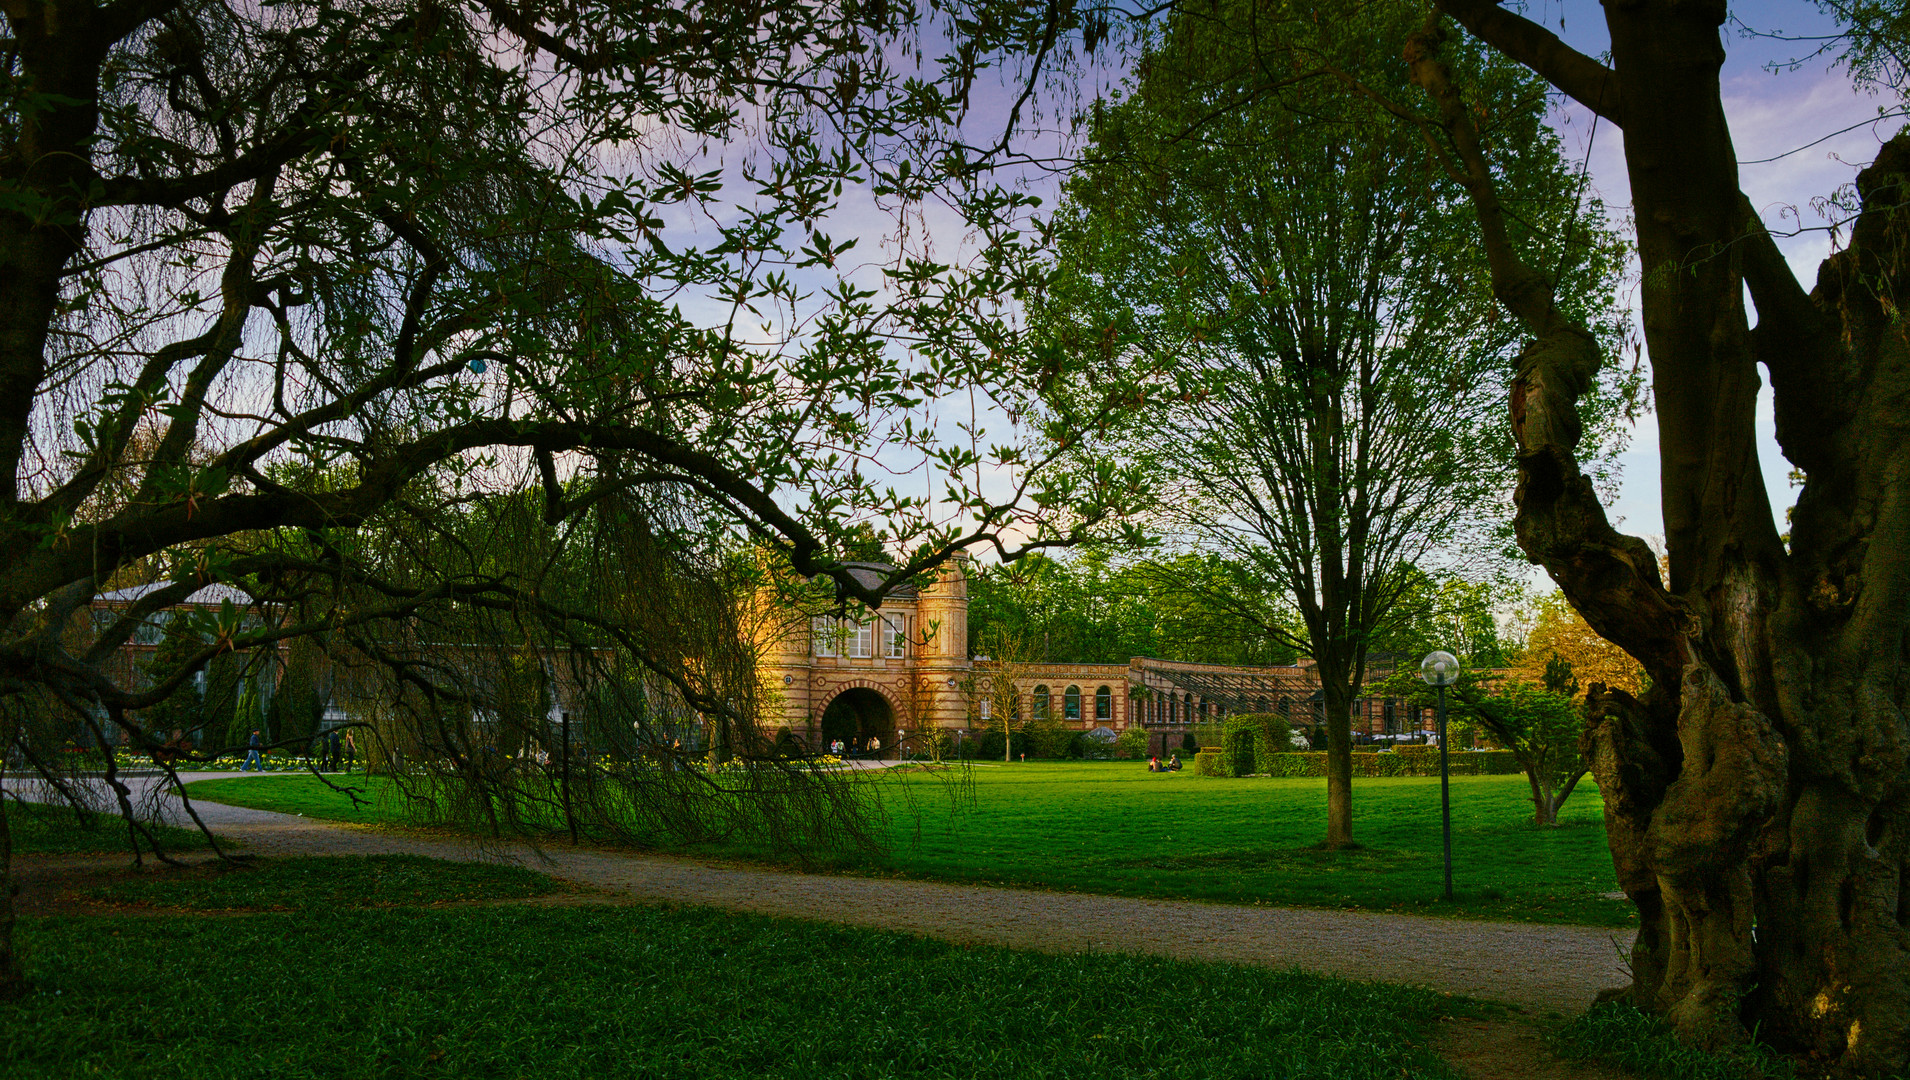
(46, 829)
(327, 883)
(536, 993)
(1115, 828)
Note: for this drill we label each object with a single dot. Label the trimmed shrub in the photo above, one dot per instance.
(1187, 744)
(1131, 744)
(1251, 740)
(1466, 763)
(1207, 761)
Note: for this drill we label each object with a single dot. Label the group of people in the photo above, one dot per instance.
(331, 751)
(1172, 764)
(334, 750)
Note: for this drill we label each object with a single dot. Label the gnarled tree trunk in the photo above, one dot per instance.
(1756, 794)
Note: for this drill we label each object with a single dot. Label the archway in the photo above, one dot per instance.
(860, 718)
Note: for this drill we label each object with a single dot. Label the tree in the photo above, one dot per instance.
(1291, 274)
(1756, 797)
(316, 299)
(1563, 649)
(995, 689)
(1088, 609)
(180, 713)
(1539, 724)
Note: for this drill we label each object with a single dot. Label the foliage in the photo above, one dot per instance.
(1131, 743)
(324, 883)
(1540, 727)
(182, 710)
(690, 993)
(1561, 634)
(1090, 609)
(473, 343)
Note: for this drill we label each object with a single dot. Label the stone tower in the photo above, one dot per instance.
(942, 615)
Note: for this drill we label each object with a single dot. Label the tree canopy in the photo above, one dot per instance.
(439, 330)
(1325, 371)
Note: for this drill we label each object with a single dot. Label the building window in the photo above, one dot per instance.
(862, 641)
(1071, 705)
(1104, 704)
(828, 639)
(895, 638)
(985, 707)
(1041, 702)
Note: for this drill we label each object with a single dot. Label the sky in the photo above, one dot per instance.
(1802, 131)
(1779, 113)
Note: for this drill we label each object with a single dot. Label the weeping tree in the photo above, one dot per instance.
(1756, 797)
(295, 297)
(1324, 371)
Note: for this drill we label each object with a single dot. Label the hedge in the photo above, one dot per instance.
(1464, 763)
(1246, 742)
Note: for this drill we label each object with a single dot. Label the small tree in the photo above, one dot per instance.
(996, 688)
(182, 710)
(1538, 725)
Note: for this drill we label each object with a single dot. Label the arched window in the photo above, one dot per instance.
(1041, 703)
(1071, 704)
(1104, 704)
(1260, 705)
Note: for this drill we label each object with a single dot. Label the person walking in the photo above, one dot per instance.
(331, 750)
(351, 752)
(252, 754)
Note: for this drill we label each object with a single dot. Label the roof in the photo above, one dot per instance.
(208, 596)
(870, 574)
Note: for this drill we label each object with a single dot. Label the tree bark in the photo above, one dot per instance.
(1755, 795)
(13, 980)
(1336, 710)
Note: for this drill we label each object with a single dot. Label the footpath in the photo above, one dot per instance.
(1540, 968)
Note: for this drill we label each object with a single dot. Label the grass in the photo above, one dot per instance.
(536, 993)
(1115, 828)
(328, 883)
(1619, 1035)
(46, 829)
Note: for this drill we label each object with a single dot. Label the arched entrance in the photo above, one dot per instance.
(862, 719)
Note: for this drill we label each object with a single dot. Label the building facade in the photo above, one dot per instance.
(873, 684)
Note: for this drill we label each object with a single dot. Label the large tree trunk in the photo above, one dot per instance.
(1755, 797)
(13, 982)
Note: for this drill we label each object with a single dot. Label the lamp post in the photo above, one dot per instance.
(1440, 669)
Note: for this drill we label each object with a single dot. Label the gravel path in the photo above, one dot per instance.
(1545, 968)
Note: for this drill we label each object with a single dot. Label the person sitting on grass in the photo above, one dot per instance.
(1154, 764)
(1173, 763)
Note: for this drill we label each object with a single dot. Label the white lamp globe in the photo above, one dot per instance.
(1440, 668)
